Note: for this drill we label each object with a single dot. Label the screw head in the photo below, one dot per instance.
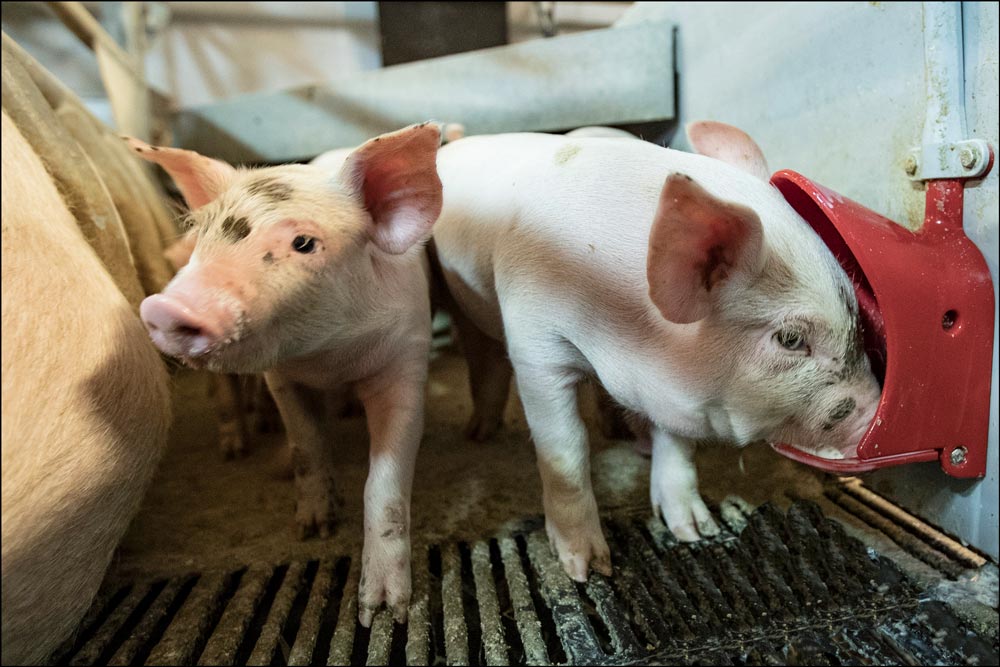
(958, 456)
(910, 165)
(969, 156)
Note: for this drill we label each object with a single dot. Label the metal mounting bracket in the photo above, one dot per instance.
(961, 159)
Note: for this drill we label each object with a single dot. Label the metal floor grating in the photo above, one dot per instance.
(774, 588)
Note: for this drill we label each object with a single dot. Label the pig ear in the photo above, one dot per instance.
(395, 176)
(729, 144)
(200, 179)
(698, 245)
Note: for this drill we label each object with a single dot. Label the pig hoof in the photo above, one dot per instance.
(481, 429)
(365, 615)
(314, 519)
(581, 553)
(231, 443)
(687, 517)
(384, 583)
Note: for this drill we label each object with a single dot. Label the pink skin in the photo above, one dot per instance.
(317, 280)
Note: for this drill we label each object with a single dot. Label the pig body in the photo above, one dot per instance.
(86, 408)
(317, 278)
(686, 285)
(600, 131)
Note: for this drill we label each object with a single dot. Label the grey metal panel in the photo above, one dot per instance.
(599, 77)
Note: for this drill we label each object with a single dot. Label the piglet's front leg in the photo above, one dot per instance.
(302, 410)
(673, 489)
(394, 406)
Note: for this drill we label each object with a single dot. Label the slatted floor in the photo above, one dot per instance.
(774, 588)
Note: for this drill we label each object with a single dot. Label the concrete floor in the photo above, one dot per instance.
(204, 513)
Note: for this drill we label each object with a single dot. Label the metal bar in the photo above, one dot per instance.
(190, 625)
(418, 624)
(104, 597)
(897, 534)
(946, 151)
(380, 639)
(83, 24)
(456, 636)
(342, 642)
(666, 618)
(525, 615)
(124, 83)
(562, 598)
(945, 121)
(309, 627)
(600, 77)
(494, 645)
(613, 615)
(142, 634)
(236, 618)
(92, 650)
(270, 634)
(925, 532)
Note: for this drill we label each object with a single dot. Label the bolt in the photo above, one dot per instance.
(958, 456)
(910, 165)
(969, 157)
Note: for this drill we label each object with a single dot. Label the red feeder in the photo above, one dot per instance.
(927, 309)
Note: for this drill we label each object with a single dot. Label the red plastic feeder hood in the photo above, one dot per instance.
(927, 309)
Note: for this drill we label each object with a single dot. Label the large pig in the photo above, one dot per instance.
(86, 408)
(685, 283)
(318, 280)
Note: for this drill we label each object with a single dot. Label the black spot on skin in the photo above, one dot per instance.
(840, 412)
(154, 148)
(849, 303)
(854, 354)
(268, 258)
(235, 229)
(271, 189)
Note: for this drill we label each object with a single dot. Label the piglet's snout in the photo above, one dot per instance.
(180, 330)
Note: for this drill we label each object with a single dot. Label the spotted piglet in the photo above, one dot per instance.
(318, 279)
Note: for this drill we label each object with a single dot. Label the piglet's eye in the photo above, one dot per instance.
(792, 340)
(304, 244)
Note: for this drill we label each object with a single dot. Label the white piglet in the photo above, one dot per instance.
(685, 283)
(318, 279)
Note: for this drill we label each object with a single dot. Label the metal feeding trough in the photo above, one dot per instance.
(927, 309)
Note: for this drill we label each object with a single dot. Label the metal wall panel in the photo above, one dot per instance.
(591, 78)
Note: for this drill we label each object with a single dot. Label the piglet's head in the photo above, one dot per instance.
(776, 316)
(280, 259)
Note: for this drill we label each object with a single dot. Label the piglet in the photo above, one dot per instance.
(685, 283)
(318, 279)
